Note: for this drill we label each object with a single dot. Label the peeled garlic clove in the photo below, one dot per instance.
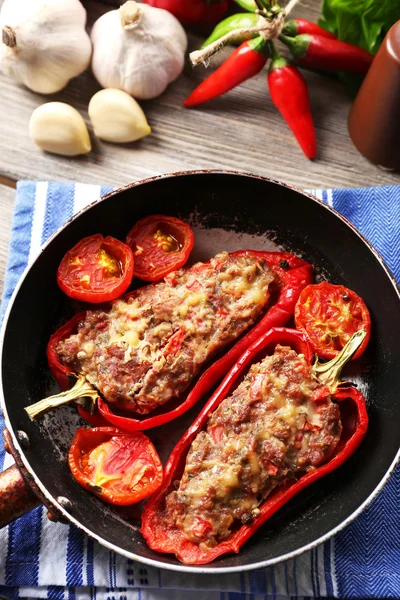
(117, 117)
(59, 128)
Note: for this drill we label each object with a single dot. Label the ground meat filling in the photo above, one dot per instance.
(147, 349)
(267, 431)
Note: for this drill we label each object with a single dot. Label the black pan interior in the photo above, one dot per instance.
(235, 203)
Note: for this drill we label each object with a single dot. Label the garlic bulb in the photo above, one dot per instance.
(117, 117)
(138, 49)
(44, 42)
(59, 128)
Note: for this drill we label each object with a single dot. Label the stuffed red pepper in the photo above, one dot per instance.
(147, 347)
(275, 425)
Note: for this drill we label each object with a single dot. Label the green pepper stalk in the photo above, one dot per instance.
(82, 393)
(328, 372)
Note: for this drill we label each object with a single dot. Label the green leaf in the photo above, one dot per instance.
(361, 22)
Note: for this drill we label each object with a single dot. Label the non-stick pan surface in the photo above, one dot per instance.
(229, 211)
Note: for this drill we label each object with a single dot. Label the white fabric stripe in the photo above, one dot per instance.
(53, 553)
(85, 194)
(8, 461)
(84, 593)
(329, 197)
(101, 566)
(38, 218)
(320, 570)
(333, 570)
(4, 544)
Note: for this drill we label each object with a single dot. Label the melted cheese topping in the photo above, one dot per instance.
(175, 325)
(268, 429)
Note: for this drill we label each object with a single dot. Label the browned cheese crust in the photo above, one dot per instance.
(267, 431)
(147, 348)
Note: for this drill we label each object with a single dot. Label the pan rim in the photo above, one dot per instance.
(149, 561)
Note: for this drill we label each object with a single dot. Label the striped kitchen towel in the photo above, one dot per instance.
(40, 559)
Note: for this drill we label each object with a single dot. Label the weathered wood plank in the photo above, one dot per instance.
(241, 131)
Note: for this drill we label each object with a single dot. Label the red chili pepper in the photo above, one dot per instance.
(193, 12)
(290, 95)
(318, 52)
(294, 274)
(298, 26)
(164, 537)
(245, 62)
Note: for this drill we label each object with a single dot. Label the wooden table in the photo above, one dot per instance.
(241, 131)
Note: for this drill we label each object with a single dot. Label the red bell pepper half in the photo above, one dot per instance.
(167, 538)
(294, 275)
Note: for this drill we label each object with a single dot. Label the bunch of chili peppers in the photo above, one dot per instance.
(310, 45)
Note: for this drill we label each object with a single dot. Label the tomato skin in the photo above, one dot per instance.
(329, 315)
(96, 269)
(193, 12)
(160, 245)
(105, 461)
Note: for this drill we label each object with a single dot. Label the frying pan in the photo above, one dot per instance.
(228, 211)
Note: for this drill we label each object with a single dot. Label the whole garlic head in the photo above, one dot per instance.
(117, 117)
(44, 42)
(138, 49)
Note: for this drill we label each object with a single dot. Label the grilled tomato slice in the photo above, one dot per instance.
(117, 466)
(329, 315)
(160, 244)
(96, 269)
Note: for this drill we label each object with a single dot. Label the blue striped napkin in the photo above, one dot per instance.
(40, 559)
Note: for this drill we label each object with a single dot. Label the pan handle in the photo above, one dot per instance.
(19, 492)
(16, 497)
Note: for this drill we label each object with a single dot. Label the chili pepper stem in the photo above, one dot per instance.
(277, 61)
(82, 392)
(328, 372)
(267, 28)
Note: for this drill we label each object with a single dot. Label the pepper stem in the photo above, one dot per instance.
(267, 29)
(263, 6)
(8, 36)
(278, 61)
(328, 373)
(82, 392)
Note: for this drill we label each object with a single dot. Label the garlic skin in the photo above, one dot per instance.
(117, 117)
(139, 49)
(44, 42)
(58, 128)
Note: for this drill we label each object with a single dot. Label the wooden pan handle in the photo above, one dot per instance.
(16, 497)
